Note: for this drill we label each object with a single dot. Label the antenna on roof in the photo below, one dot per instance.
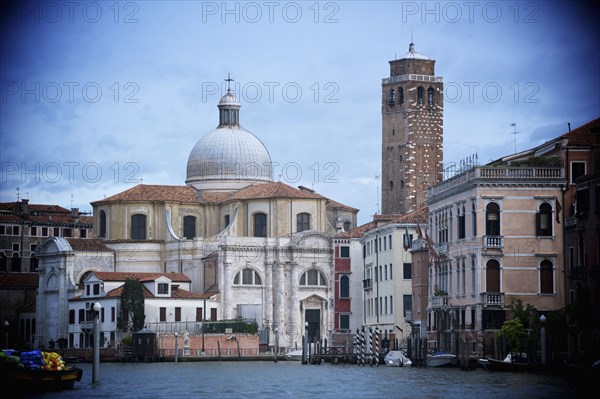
(71, 200)
(18, 195)
(514, 125)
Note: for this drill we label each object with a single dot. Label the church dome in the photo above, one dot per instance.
(229, 157)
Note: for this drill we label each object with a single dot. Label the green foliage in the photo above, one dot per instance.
(237, 326)
(132, 317)
(521, 312)
(127, 341)
(513, 332)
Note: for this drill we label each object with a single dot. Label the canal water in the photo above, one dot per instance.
(290, 379)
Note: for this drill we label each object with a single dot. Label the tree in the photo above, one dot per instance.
(514, 334)
(521, 312)
(132, 317)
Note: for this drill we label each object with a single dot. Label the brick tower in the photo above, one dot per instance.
(412, 110)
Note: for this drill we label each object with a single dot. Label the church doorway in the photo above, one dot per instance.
(313, 318)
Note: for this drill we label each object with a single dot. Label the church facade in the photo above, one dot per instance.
(264, 247)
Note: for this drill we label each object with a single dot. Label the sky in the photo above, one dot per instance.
(98, 96)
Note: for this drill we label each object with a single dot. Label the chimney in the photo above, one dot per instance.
(75, 213)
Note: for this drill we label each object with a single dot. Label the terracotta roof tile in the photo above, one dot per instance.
(357, 232)
(88, 244)
(19, 280)
(421, 215)
(584, 135)
(122, 276)
(147, 192)
(272, 190)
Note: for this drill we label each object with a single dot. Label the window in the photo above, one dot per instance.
(56, 232)
(461, 222)
(391, 272)
(189, 227)
(492, 276)
(407, 271)
(344, 322)
(177, 314)
(546, 277)
(344, 252)
(138, 227)
(313, 277)
(96, 288)
(67, 232)
(430, 96)
(44, 232)
(162, 288)
(473, 220)
(303, 222)
(102, 224)
(577, 170)
(226, 220)
(347, 226)
(420, 95)
(162, 314)
(247, 276)
(199, 314)
(544, 220)
(401, 95)
(83, 233)
(260, 225)
(344, 287)
(492, 219)
(71, 316)
(390, 241)
(33, 231)
(407, 304)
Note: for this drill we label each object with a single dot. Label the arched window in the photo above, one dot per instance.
(546, 277)
(430, 96)
(313, 277)
(3, 263)
(391, 97)
(420, 95)
(391, 185)
(347, 226)
(303, 221)
(344, 287)
(492, 219)
(138, 227)
(492, 276)
(189, 227)
(260, 224)
(15, 265)
(401, 95)
(544, 220)
(102, 232)
(33, 264)
(247, 276)
(401, 183)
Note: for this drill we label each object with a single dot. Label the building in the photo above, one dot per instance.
(412, 110)
(265, 248)
(23, 226)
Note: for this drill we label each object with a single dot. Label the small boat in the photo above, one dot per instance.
(36, 372)
(442, 359)
(294, 355)
(396, 359)
(512, 362)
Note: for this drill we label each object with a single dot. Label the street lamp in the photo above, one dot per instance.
(96, 364)
(543, 336)
(176, 346)
(6, 324)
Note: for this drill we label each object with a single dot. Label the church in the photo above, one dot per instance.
(261, 248)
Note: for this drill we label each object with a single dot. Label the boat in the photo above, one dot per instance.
(442, 359)
(295, 354)
(396, 359)
(18, 375)
(512, 362)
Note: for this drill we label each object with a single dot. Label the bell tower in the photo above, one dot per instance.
(412, 110)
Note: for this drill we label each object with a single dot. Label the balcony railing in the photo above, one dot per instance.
(439, 301)
(441, 248)
(496, 242)
(492, 299)
(412, 76)
(87, 325)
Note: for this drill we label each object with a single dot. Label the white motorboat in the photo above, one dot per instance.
(396, 359)
(294, 355)
(442, 359)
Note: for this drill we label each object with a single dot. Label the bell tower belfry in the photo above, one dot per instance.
(412, 110)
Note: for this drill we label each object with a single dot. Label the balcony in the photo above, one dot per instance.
(367, 284)
(492, 299)
(439, 301)
(86, 325)
(441, 248)
(493, 242)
